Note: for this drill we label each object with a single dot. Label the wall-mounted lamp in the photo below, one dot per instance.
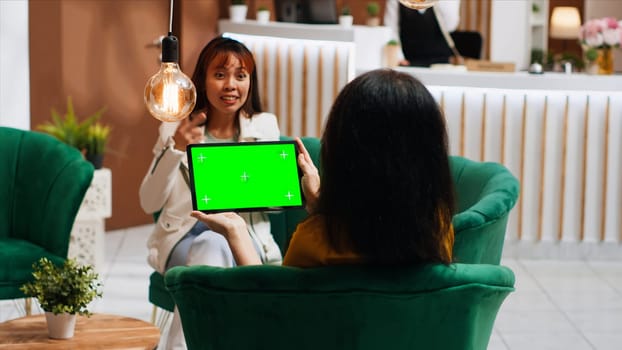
(169, 94)
(565, 23)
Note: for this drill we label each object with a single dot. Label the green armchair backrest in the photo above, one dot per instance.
(42, 184)
(339, 307)
(486, 192)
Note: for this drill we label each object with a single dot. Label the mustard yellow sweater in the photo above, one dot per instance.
(310, 246)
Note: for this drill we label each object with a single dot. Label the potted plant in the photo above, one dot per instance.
(237, 10)
(70, 130)
(63, 291)
(345, 18)
(391, 53)
(373, 9)
(263, 14)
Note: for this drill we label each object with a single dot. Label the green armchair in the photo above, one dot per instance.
(432, 307)
(42, 184)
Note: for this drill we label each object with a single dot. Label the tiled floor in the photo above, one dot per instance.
(558, 304)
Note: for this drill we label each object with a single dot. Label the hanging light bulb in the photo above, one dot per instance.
(169, 94)
(418, 4)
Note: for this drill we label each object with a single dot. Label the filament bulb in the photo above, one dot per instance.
(169, 94)
(418, 4)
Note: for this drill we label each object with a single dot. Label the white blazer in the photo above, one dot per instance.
(164, 189)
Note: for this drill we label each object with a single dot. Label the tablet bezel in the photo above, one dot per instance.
(192, 147)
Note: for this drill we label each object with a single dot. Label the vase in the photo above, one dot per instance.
(605, 61)
(346, 21)
(60, 326)
(237, 13)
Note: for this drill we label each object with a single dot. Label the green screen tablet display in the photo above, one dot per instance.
(244, 176)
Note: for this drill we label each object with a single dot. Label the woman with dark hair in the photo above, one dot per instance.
(386, 194)
(228, 109)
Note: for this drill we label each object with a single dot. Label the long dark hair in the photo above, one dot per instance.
(386, 187)
(218, 50)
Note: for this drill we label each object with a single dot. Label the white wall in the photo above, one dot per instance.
(509, 32)
(14, 61)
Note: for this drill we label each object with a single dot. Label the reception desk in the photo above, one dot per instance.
(561, 136)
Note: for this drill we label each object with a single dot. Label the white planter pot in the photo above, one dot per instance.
(263, 17)
(60, 326)
(346, 21)
(237, 13)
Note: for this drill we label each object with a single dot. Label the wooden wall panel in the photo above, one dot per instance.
(475, 16)
(96, 52)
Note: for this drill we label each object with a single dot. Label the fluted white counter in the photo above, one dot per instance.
(561, 136)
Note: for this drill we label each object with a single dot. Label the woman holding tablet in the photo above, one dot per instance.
(228, 109)
(386, 195)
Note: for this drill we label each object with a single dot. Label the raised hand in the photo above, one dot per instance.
(190, 130)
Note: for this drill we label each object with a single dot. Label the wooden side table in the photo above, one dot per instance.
(100, 331)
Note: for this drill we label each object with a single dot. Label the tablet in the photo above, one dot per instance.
(244, 176)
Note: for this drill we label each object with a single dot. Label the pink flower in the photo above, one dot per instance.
(601, 33)
(610, 22)
(611, 37)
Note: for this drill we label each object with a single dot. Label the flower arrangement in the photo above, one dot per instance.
(601, 33)
(598, 37)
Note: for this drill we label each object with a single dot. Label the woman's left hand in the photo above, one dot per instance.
(233, 227)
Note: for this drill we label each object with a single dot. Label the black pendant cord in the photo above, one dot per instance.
(170, 20)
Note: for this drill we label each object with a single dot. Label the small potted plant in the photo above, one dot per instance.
(237, 10)
(373, 10)
(263, 14)
(391, 51)
(63, 291)
(71, 130)
(345, 18)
